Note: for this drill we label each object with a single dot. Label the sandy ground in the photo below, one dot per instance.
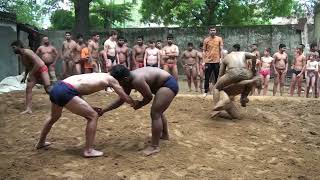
(277, 138)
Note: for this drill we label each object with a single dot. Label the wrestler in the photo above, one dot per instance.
(35, 67)
(110, 47)
(77, 55)
(297, 67)
(191, 66)
(67, 94)
(170, 54)
(201, 66)
(280, 65)
(69, 47)
(148, 81)
(265, 71)
(49, 56)
(312, 69)
(233, 69)
(93, 46)
(122, 53)
(152, 55)
(138, 53)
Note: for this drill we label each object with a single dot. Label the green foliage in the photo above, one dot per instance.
(27, 11)
(62, 20)
(207, 12)
(110, 14)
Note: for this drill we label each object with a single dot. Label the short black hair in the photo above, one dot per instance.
(313, 45)
(151, 41)
(170, 36)
(201, 45)
(113, 32)
(282, 46)
(268, 50)
(236, 46)
(159, 40)
(254, 44)
(121, 37)
(94, 34)
(79, 36)
(68, 32)
(140, 37)
(119, 72)
(190, 44)
(212, 27)
(17, 43)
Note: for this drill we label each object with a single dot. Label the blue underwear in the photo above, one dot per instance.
(172, 84)
(62, 93)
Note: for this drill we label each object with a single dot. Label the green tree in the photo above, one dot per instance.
(62, 20)
(27, 11)
(207, 12)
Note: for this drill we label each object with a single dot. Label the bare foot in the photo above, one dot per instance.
(151, 150)
(189, 90)
(197, 90)
(244, 101)
(27, 111)
(43, 145)
(164, 137)
(92, 153)
(214, 114)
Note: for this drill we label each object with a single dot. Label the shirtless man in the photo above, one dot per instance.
(297, 70)
(232, 91)
(191, 65)
(148, 81)
(35, 67)
(280, 65)
(170, 54)
(67, 94)
(233, 69)
(201, 66)
(122, 53)
(49, 56)
(110, 47)
(152, 55)
(312, 70)
(77, 55)
(253, 64)
(93, 46)
(265, 71)
(138, 53)
(69, 47)
(159, 46)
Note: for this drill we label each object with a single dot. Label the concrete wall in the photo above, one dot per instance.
(264, 36)
(8, 60)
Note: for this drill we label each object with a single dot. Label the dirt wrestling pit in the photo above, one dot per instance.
(277, 138)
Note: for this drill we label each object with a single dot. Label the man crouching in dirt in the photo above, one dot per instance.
(148, 81)
(67, 94)
(243, 88)
(233, 69)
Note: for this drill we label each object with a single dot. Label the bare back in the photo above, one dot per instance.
(30, 60)
(237, 59)
(89, 83)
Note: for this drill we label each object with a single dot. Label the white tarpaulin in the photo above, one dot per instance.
(12, 83)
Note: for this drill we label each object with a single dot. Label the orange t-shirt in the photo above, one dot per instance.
(211, 47)
(84, 55)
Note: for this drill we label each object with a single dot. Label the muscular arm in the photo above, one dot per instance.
(221, 48)
(286, 61)
(134, 54)
(304, 63)
(118, 89)
(38, 52)
(182, 60)
(158, 58)
(145, 58)
(90, 47)
(144, 89)
(56, 54)
(222, 69)
(117, 103)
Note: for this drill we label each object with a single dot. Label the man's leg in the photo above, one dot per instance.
(174, 70)
(307, 85)
(207, 74)
(161, 102)
(266, 84)
(54, 116)
(282, 79)
(201, 80)
(31, 82)
(188, 75)
(64, 68)
(299, 81)
(46, 82)
(80, 107)
(216, 68)
(78, 68)
(165, 132)
(70, 68)
(52, 73)
(293, 84)
(194, 75)
(275, 84)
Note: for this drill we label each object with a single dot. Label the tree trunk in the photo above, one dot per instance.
(316, 33)
(81, 25)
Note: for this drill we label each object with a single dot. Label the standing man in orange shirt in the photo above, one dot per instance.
(212, 53)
